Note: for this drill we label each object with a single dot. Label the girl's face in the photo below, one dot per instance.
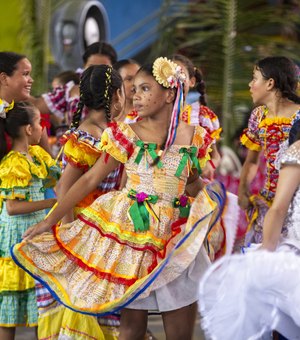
(149, 97)
(128, 73)
(18, 85)
(259, 87)
(36, 128)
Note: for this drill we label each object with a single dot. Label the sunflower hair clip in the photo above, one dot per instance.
(167, 73)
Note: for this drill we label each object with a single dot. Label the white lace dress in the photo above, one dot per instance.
(247, 296)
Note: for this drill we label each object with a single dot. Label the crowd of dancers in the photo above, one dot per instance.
(123, 216)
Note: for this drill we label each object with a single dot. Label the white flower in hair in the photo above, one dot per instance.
(167, 73)
(4, 107)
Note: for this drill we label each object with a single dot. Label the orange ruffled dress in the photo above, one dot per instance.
(128, 243)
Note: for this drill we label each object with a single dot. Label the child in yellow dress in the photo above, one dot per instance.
(24, 173)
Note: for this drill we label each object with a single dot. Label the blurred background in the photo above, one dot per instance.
(222, 37)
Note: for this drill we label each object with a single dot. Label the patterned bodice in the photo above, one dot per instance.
(267, 134)
(168, 178)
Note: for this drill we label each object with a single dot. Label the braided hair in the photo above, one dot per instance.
(284, 72)
(97, 86)
(193, 72)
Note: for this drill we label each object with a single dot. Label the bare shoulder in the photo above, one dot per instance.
(185, 133)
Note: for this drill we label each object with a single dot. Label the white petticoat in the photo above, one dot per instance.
(246, 296)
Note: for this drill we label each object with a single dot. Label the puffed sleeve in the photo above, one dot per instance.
(15, 177)
(250, 136)
(210, 121)
(203, 141)
(292, 155)
(81, 150)
(57, 99)
(116, 141)
(44, 167)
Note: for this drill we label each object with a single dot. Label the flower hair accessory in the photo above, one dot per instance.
(5, 107)
(167, 73)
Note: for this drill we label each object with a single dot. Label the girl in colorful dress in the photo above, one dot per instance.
(198, 113)
(139, 248)
(101, 92)
(264, 283)
(273, 87)
(25, 171)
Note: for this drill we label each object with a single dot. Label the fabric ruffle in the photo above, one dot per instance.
(114, 284)
(80, 148)
(249, 142)
(16, 171)
(12, 277)
(246, 296)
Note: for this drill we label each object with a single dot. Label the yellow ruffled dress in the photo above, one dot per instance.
(23, 180)
(132, 242)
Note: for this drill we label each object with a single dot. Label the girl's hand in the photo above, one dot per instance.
(244, 201)
(208, 172)
(37, 229)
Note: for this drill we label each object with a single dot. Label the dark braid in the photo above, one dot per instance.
(77, 115)
(97, 86)
(200, 86)
(108, 92)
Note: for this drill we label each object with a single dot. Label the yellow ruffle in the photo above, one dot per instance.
(12, 277)
(199, 141)
(16, 171)
(64, 321)
(115, 146)
(276, 120)
(216, 134)
(81, 153)
(249, 144)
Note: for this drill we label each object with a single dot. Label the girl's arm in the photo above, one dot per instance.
(194, 184)
(17, 207)
(247, 175)
(288, 182)
(69, 177)
(86, 184)
(210, 168)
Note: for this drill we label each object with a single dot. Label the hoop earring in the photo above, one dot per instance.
(117, 107)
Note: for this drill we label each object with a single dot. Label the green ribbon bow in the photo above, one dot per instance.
(184, 206)
(188, 153)
(138, 211)
(150, 147)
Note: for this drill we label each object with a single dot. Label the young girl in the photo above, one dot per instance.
(24, 173)
(198, 113)
(127, 69)
(140, 247)
(273, 87)
(261, 281)
(81, 151)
